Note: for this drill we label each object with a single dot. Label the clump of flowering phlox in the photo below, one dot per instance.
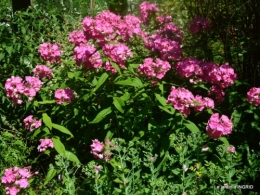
(100, 150)
(50, 52)
(146, 10)
(88, 56)
(32, 86)
(77, 37)
(166, 42)
(199, 24)
(118, 53)
(153, 69)
(42, 71)
(203, 102)
(16, 178)
(14, 88)
(182, 99)
(31, 123)
(64, 95)
(253, 96)
(218, 126)
(45, 143)
(220, 76)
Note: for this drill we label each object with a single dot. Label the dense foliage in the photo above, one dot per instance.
(129, 98)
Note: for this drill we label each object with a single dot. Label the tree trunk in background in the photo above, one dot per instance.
(19, 5)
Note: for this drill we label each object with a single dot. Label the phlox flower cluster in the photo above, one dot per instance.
(15, 87)
(146, 9)
(101, 28)
(45, 143)
(50, 52)
(64, 95)
(107, 26)
(153, 69)
(128, 27)
(31, 123)
(182, 100)
(218, 126)
(253, 96)
(32, 86)
(166, 42)
(118, 53)
(16, 178)
(189, 68)
(88, 56)
(231, 149)
(199, 24)
(220, 76)
(202, 103)
(77, 37)
(42, 71)
(164, 19)
(100, 150)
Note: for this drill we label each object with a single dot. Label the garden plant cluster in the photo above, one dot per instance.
(116, 106)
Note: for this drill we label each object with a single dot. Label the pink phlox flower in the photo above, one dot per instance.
(32, 86)
(88, 56)
(155, 69)
(182, 99)
(50, 52)
(146, 9)
(14, 88)
(42, 71)
(231, 149)
(31, 123)
(118, 53)
(64, 95)
(218, 126)
(253, 96)
(77, 37)
(45, 143)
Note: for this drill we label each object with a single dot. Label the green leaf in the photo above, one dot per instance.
(51, 173)
(191, 126)
(161, 99)
(171, 111)
(70, 75)
(58, 146)
(101, 80)
(47, 120)
(224, 140)
(70, 156)
(117, 180)
(47, 102)
(137, 82)
(62, 129)
(102, 114)
(31, 192)
(109, 135)
(128, 82)
(141, 134)
(235, 117)
(118, 103)
(126, 96)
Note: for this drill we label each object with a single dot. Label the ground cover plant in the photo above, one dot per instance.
(116, 104)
